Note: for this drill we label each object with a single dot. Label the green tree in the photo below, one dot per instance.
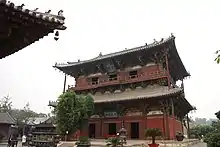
(217, 59)
(200, 130)
(22, 116)
(6, 104)
(72, 110)
(213, 137)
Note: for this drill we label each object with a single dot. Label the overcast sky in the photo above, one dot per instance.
(109, 26)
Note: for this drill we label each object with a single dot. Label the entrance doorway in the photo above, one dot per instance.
(91, 130)
(135, 130)
(112, 129)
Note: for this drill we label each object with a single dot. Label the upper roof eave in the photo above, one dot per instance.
(101, 57)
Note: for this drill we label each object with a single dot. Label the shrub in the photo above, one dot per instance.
(153, 132)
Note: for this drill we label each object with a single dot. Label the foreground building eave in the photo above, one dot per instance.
(21, 27)
(58, 20)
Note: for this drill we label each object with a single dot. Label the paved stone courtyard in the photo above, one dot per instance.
(131, 143)
(143, 143)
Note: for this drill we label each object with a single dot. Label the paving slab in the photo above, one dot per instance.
(141, 143)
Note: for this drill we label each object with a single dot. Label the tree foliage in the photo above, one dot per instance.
(200, 130)
(21, 116)
(5, 104)
(153, 132)
(213, 137)
(217, 59)
(72, 110)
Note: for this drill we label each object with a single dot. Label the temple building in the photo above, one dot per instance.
(7, 126)
(135, 88)
(21, 27)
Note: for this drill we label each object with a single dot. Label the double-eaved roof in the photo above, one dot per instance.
(21, 27)
(6, 118)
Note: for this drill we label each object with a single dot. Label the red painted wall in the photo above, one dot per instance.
(174, 126)
(156, 121)
(146, 72)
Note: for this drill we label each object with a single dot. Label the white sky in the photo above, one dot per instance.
(112, 25)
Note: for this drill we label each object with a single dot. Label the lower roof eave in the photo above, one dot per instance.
(138, 98)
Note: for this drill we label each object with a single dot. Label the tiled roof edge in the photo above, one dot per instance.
(44, 16)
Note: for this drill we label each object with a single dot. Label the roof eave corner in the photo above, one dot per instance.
(61, 27)
(55, 65)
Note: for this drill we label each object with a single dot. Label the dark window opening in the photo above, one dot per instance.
(95, 80)
(133, 74)
(113, 77)
(92, 130)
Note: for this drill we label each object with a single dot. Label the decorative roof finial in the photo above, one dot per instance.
(161, 40)
(172, 35)
(21, 6)
(60, 13)
(100, 54)
(146, 44)
(48, 11)
(78, 60)
(36, 9)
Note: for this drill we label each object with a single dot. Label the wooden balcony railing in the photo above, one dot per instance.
(123, 80)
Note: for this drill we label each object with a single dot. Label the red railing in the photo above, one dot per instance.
(127, 79)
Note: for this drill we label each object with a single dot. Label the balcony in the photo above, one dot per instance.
(122, 80)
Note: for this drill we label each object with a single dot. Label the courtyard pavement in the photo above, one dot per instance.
(142, 143)
(200, 145)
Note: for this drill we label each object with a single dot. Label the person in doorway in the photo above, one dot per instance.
(23, 140)
(9, 141)
(16, 140)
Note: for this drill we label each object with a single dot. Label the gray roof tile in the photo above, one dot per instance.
(139, 93)
(6, 118)
(59, 19)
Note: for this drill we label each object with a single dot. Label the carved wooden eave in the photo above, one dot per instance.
(142, 61)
